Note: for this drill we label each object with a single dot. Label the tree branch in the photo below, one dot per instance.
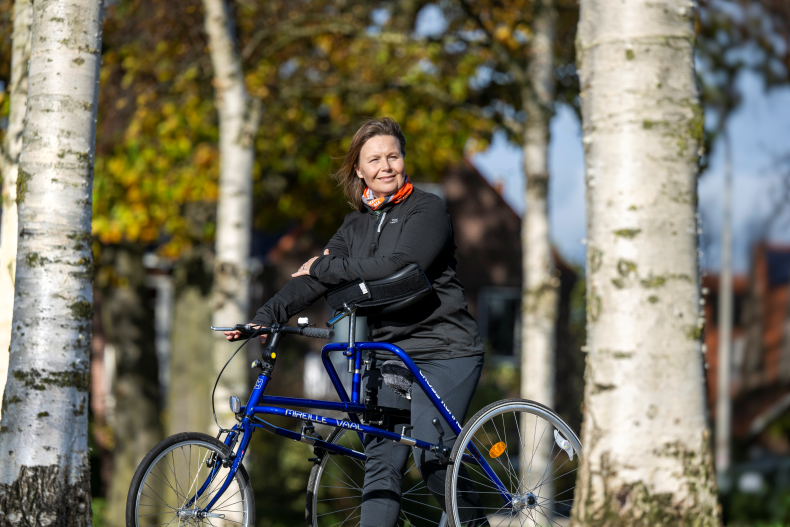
(503, 56)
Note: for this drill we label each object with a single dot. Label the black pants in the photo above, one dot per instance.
(455, 381)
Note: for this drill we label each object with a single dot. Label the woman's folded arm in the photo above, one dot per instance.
(425, 234)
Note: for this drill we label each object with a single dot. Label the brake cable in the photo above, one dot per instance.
(213, 410)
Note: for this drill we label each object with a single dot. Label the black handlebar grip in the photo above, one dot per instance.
(318, 333)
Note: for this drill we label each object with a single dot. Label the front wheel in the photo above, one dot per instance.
(166, 483)
(531, 454)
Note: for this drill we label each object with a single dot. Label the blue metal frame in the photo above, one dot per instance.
(258, 403)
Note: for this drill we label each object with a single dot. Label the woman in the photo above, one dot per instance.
(395, 224)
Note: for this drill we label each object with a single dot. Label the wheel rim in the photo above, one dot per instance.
(172, 479)
(337, 491)
(538, 474)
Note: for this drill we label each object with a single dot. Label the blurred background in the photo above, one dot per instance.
(318, 68)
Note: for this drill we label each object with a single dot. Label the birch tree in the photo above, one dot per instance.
(239, 116)
(12, 145)
(190, 351)
(539, 285)
(529, 62)
(647, 458)
(44, 477)
(530, 65)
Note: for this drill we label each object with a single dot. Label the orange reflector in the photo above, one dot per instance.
(497, 450)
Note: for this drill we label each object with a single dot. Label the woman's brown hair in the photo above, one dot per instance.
(353, 186)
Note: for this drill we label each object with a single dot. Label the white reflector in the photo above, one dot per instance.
(235, 404)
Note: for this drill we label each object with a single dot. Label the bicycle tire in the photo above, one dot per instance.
(419, 508)
(540, 494)
(166, 462)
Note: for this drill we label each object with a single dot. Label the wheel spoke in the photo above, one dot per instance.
(339, 510)
(354, 487)
(226, 500)
(521, 446)
(550, 463)
(342, 522)
(478, 483)
(513, 469)
(175, 477)
(564, 491)
(194, 483)
(166, 483)
(417, 486)
(157, 494)
(215, 509)
(410, 515)
(485, 449)
(558, 477)
(535, 448)
(547, 517)
(423, 503)
(482, 517)
(510, 475)
(343, 498)
(344, 472)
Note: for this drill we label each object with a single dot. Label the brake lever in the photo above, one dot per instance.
(337, 318)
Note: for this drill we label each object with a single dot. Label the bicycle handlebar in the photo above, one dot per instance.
(248, 331)
(318, 333)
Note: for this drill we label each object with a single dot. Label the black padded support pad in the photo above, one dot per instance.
(410, 282)
(349, 293)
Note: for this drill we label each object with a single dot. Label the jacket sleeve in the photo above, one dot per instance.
(425, 234)
(297, 294)
(301, 291)
(337, 245)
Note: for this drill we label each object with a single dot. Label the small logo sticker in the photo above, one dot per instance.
(394, 220)
(364, 288)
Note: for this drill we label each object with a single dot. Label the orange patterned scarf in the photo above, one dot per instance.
(377, 203)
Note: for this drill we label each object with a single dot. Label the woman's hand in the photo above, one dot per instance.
(236, 335)
(304, 270)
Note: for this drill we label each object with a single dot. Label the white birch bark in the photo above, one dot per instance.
(539, 290)
(191, 352)
(238, 124)
(647, 457)
(12, 145)
(44, 478)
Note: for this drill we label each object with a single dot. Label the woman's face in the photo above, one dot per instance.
(381, 165)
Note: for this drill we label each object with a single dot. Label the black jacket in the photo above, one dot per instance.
(374, 245)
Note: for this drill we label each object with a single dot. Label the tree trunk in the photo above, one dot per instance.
(44, 474)
(539, 292)
(238, 125)
(128, 319)
(646, 458)
(191, 365)
(12, 145)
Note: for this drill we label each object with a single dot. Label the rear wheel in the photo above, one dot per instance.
(334, 490)
(171, 474)
(534, 455)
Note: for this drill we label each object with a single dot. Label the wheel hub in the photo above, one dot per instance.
(195, 513)
(524, 501)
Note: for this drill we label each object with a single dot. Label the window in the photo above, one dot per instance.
(499, 318)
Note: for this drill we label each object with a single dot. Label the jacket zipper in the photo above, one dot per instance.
(384, 215)
(375, 242)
